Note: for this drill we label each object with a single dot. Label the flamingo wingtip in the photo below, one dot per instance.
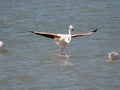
(94, 30)
(31, 31)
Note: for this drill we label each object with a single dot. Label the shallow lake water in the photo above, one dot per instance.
(32, 62)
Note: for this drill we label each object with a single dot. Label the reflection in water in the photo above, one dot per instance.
(65, 60)
(66, 63)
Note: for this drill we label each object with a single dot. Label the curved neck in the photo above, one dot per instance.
(69, 32)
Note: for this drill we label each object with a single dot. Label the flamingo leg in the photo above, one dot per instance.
(62, 53)
(62, 50)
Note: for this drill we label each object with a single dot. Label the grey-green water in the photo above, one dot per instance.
(32, 62)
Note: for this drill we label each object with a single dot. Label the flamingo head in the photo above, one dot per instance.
(71, 27)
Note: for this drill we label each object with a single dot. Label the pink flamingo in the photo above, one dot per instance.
(64, 39)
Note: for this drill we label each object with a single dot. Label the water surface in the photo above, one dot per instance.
(32, 62)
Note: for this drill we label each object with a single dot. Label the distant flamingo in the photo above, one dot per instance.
(1, 46)
(64, 39)
(113, 56)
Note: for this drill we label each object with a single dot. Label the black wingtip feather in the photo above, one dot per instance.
(94, 30)
(31, 31)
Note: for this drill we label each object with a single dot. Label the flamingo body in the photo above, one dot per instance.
(64, 39)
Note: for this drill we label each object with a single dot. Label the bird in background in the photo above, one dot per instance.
(63, 39)
(1, 46)
(113, 56)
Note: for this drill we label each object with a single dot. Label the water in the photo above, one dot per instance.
(32, 62)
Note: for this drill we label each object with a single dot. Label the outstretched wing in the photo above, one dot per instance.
(84, 34)
(46, 34)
